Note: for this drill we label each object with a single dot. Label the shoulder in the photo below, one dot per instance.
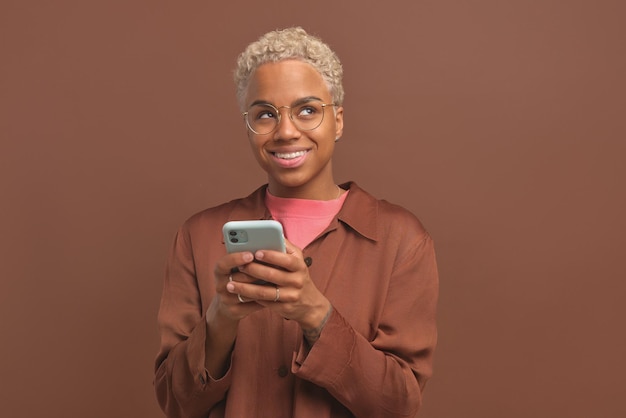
(380, 219)
(402, 231)
(393, 217)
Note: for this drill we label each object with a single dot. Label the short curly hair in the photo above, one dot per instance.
(290, 43)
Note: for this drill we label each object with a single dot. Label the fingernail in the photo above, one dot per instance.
(247, 257)
(230, 287)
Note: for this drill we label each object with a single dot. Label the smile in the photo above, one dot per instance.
(289, 155)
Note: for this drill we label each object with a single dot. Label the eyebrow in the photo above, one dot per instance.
(300, 101)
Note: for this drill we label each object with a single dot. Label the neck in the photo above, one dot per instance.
(329, 192)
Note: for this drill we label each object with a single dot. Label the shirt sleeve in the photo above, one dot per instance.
(182, 384)
(386, 376)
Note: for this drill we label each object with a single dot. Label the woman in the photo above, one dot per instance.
(348, 327)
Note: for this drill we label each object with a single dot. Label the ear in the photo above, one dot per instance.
(338, 122)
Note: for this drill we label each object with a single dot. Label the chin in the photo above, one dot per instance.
(289, 183)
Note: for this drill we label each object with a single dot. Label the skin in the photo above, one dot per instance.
(281, 84)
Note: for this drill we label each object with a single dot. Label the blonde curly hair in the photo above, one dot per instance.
(290, 43)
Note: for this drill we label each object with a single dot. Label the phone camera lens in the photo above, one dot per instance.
(235, 240)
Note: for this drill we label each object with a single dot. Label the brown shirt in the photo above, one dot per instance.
(375, 263)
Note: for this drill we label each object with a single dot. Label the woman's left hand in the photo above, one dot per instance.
(290, 292)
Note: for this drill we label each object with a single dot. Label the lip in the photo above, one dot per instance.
(289, 158)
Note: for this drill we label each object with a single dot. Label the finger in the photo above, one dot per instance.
(289, 261)
(252, 292)
(241, 278)
(227, 263)
(266, 273)
(291, 248)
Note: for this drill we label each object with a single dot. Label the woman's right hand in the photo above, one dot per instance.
(225, 312)
(229, 305)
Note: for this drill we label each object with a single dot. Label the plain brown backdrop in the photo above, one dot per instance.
(499, 123)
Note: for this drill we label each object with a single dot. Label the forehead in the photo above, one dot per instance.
(284, 82)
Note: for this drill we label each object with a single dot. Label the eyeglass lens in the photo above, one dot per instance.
(263, 118)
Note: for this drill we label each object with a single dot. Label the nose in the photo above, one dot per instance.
(286, 130)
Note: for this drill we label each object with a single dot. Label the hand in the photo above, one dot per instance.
(225, 312)
(226, 304)
(293, 296)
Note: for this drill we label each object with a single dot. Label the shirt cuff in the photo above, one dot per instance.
(325, 361)
(196, 356)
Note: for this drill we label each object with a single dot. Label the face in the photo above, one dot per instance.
(298, 163)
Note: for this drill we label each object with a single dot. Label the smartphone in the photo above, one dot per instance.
(253, 235)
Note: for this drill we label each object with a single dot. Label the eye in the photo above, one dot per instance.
(262, 112)
(307, 111)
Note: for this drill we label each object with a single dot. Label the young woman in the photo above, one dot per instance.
(347, 328)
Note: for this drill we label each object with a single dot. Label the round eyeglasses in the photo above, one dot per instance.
(263, 118)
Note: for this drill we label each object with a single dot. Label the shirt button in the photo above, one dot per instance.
(308, 261)
(282, 371)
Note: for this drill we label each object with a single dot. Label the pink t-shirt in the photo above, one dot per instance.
(303, 219)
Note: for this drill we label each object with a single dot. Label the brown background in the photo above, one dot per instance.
(499, 123)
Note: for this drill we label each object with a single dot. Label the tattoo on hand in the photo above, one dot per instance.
(313, 334)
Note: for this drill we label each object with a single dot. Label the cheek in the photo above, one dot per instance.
(254, 141)
(330, 134)
(256, 147)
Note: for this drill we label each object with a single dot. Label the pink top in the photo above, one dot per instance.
(303, 219)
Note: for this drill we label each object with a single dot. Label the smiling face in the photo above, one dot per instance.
(298, 163)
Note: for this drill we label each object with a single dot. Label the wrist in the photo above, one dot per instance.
(220, 326)
(313, 333)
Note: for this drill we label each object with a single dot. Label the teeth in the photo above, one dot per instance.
(289, 155)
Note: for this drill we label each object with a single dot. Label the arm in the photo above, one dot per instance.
(180, 372)
(192, 368)
(383, 377)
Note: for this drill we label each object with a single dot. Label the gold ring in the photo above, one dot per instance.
(277, 294)
(240, 298)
